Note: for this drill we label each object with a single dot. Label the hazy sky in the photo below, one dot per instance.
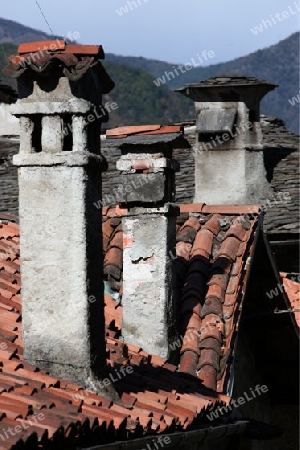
(169, 30)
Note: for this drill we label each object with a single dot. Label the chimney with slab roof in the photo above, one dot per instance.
(59, 166)
(149, 234)
(229, 165)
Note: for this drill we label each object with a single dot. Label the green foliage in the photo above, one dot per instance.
(6, 49)
(140, 102)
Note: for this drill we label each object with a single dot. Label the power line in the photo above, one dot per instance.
(39, 6)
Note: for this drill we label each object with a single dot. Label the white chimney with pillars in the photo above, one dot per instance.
(60, 228)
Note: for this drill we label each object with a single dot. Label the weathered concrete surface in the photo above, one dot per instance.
(149, 311)
(228, 145)
(231, 161)
(230, 177)
(61, 240)
(61, 269)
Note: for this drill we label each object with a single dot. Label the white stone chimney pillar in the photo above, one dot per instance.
(60, 228)
(149, 239)
(229, 164)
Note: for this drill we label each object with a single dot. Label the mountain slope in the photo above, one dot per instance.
(141, 101)
(278, 63)
(16, 33)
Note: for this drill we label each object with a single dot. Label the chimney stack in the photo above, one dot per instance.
(59, 165)
(229, 166)
(149, 234)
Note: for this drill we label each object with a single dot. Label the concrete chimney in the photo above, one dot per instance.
(59, 166)
(149, 236)
(229, 167)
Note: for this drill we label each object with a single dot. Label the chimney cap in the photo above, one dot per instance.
(60, 46)
(74, 60)
(228, 81)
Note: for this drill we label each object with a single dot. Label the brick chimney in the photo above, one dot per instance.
(59, 166)
(229, 167)
(149, 235)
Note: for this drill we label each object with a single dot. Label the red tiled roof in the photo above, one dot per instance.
(161, 400)
(292, 289)
(142, 130)
(214, 253)
(73, 60)
(60, 46)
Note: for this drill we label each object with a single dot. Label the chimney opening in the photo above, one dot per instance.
(37, 133)
(68, 134)
(253, 117)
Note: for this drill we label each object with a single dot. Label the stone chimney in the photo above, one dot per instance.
(149, 234)
(59, 166)
(229, 166)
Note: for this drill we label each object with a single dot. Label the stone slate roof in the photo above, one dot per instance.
(281, 158)
(281, 155)
(230, 80)
(9, 189)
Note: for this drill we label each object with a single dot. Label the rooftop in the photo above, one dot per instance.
(214, 248)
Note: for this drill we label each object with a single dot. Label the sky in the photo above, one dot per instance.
(168, 30)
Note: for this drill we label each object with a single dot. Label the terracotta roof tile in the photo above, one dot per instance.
(208, 375)
(292, 289)
(213, 224)
(44, 56)
(188, 362)
(183, 250)
(229, 248)
(141, 130)
(203, 243)
(212, 305)
(161, 400)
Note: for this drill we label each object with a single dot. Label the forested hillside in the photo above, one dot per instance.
(139, 99)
